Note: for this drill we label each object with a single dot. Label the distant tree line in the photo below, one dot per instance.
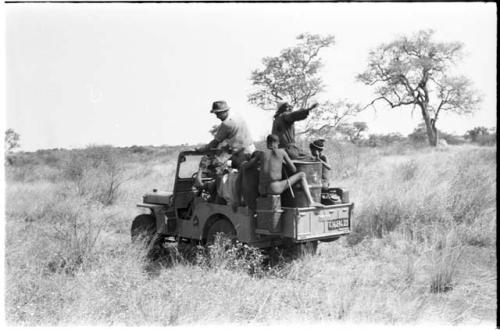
(357, 133)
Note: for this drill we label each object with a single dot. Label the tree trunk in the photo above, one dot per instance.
(430, 126)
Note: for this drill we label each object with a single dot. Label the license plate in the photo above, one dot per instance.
(339, 223)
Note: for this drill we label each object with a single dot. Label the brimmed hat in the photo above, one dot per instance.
(219, 106)
(318, 144)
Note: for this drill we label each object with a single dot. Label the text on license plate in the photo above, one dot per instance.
(339, 223)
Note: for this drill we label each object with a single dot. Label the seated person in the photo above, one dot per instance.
(316, 151)
(270, 176)
(249, 183)
(211, 166)
(328, 196)
(230, 185)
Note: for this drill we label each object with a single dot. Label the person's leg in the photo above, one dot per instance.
(301, 176)
(277, 187)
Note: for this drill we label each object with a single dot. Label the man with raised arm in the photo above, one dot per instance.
(284, 127)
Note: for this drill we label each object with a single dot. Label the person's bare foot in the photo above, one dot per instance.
(316, 204)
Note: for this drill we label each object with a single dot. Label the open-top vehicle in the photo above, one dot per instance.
(190, 215)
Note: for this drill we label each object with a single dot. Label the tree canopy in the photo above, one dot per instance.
(417, 71)
(294, 77)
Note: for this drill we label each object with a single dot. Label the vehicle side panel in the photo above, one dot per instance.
(242, 221)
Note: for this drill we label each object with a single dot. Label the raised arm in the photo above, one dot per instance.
(298, 114)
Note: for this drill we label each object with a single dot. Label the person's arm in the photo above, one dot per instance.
(289, 162)
(211, 145)
(250, 163)
(298, 114)
(324, 161)
(198, 181)
(221, 135)
(254, 161)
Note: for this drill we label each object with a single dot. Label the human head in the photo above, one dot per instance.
(272, 141)
(220, 109)
(283, 107)
(317, 146)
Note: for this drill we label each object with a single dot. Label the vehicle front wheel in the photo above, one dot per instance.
(143, 227)
(222, 226)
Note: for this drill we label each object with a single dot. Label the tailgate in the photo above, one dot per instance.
(303, 224)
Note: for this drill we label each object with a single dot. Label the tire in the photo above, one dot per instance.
(307, 248)
(143, 227)
(220, 226)
(328, 240)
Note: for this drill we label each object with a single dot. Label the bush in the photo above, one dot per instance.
(472, 189)
(445, 258)
(96, 173)
(234, 256)
(487, 140)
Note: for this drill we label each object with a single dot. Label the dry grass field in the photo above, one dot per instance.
(422, 249)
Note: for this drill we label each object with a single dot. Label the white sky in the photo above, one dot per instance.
(146, 74)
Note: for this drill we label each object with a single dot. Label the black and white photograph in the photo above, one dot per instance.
(249, 164)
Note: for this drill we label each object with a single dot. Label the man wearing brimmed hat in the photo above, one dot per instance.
(232, 130)
(284, 127)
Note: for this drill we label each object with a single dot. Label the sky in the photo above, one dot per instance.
(147, 74)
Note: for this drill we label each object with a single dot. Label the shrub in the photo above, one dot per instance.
(75, 229)
(96, 173)
(382, 140)
(472, 188)
(445, 258)
(234, 256)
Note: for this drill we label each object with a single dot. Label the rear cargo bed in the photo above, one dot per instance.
(303, 224)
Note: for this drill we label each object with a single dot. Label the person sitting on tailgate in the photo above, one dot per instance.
(316, 148)
(329, 196)
(271, 181)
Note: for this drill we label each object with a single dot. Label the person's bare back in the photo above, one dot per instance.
(271, 164)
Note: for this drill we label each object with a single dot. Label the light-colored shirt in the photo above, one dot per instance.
(228, 188)
(235, 131)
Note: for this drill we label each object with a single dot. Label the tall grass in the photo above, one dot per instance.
(423, 246)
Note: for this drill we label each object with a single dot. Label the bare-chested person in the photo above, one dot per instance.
(270, 178)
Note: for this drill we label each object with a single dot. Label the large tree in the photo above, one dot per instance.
(416, 71)
(294, 77)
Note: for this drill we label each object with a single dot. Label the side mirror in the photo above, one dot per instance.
(182, 159)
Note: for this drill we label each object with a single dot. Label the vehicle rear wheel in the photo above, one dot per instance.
(330, 239)
(307, 248)
(223, 226)
(143, 227)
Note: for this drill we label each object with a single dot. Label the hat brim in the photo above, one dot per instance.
(316, 146)
(219, 110)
